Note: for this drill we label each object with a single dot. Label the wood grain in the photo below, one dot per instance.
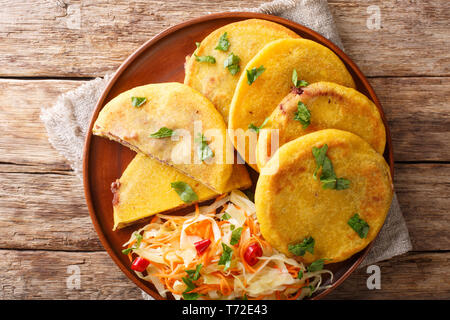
(415, 275)
(24, 139)
(47, 210)
(44, 222)
(44, 275)
(412, 38)
(416, 109)
(91, 38)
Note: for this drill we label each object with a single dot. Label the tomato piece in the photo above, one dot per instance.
(202, 245)
(139, 264)
(252, 254)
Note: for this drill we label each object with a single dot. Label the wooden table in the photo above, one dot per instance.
(50, 47)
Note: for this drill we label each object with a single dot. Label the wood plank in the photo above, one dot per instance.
(423, 192)
(412, 38)
(91, 38)
(43, 275)
(411, 276)
(417, 112)
(24, 138)
(47, 210)
(44, 211)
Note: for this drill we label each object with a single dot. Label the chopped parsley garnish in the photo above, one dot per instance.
(203, 150)
(316, 265)
(185, 191)
(342, 184)
(254, 73)
(208, 59)
(232, 63)
(225, 216)
(136, 245)
(303, 115)
(359, 225)
(191, 296)
(189, 284)
(328, 177)
(299, 249)
(223, 44)
(236, 236)
(311, 290)
(163, 132)
(194, 274)
(138, 101)
(251, 126)
(225, 258)
(298, 83)
(319, 154)
(300, 274)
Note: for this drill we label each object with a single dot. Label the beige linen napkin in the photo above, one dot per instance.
(68, 120)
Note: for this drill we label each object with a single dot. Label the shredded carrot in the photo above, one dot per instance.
(166, 243)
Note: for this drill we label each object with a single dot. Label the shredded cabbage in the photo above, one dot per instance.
(171, 251)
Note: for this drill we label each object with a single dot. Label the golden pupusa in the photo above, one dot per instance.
(144, 189)
(291, 205)
(176, 107)
(253, 103)
(246, 38)
(331, 106)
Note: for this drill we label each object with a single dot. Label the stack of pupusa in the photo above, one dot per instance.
(302, 90)
(327, 186)
(145, 187)
(145, 119)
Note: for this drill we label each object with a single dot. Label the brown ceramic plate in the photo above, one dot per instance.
(161, 59)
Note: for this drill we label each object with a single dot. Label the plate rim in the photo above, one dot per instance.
(217, 16)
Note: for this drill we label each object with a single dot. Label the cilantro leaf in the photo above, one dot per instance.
(185, 191)
(359, 225)
(303, 115)
(223, 44)
(189, 284)
(300, 274)
(296, 82)
(236, 236)
(299, 249)
(342, 184)
(251, 126)
(311, 290)
(232, 63)
(254, 73)
(225, 258)
(328, 176)
(138, 101)
(316, 265)
(208, 59)
(203, 150)
(136, 245)
(194, 274)
(191, 296)
(163, 132)
(319, 154)
(225, 216)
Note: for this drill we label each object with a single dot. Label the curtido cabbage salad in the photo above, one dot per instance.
(217, 252)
